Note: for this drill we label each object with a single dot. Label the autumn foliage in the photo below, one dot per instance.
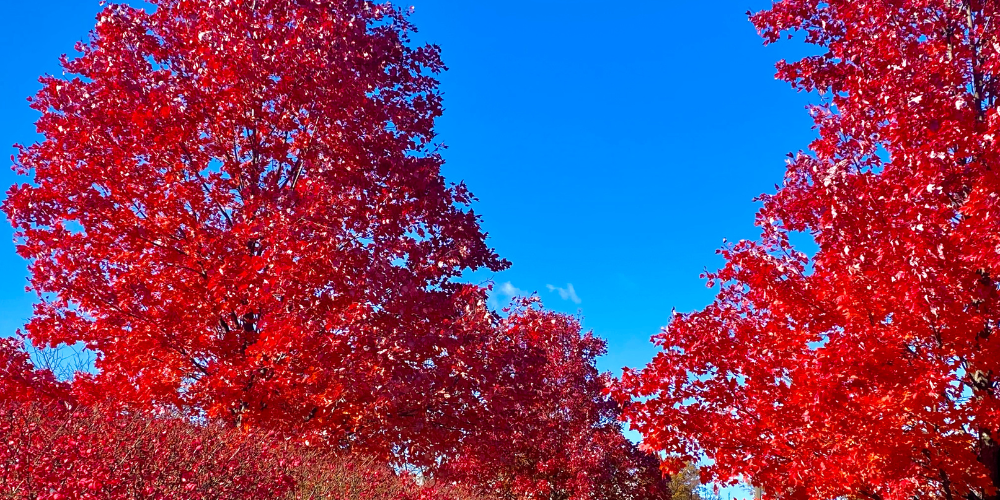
(565, 439)
(869, 369)
(56, 449)
(89, 454)
(238, 206)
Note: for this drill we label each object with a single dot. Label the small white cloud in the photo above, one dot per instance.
(510, 290)
(567, 293)
(502, 294)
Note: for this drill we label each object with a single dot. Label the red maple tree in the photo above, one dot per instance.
(561, 437)
(239, 207)
(870, 369)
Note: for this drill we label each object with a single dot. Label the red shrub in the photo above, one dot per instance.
(52, 448)
(52, 453)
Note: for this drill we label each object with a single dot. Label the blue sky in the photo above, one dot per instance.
(613, 145)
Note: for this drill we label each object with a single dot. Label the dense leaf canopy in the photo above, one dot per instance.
(870, 369)
(240, 209)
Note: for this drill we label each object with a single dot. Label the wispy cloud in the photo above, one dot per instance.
(502, 294)
(510, 290)
(567, 293)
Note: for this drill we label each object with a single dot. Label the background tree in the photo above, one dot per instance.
(686, 485)
(869, 370)
(561, 438)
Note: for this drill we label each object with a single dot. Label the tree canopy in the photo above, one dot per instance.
(869, 369)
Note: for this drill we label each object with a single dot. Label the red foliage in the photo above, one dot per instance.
(54, 449)
(559, 435)
(21, 382)
(238, 207)
(870, 370)
(543, 429)
(52, 453)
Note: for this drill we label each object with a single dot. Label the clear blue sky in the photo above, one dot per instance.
(613, 145)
